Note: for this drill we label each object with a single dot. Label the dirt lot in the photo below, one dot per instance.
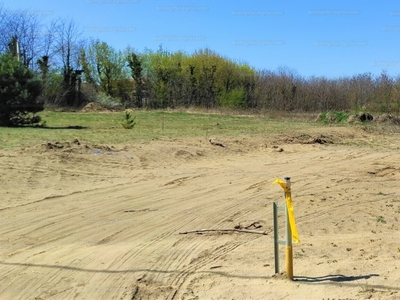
(83, 221)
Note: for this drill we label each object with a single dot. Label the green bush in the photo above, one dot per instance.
(332, 117)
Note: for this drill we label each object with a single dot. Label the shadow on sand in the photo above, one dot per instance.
(328, 279)
(333, 278)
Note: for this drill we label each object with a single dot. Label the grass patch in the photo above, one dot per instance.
(381, 219)
(333, 117)
(105, 128)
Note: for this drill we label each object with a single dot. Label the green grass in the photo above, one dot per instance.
(105, 128)
(333, 117)
(381, 219)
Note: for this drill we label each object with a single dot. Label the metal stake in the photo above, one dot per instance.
(276, 238)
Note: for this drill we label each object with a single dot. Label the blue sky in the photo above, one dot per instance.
(313, 38)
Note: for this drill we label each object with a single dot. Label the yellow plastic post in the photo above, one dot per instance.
(289, 262)
(289, 249)
(291, 230)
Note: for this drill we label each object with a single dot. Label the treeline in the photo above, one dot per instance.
(284, 90)
(74, 71)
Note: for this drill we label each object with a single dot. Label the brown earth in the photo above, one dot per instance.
(94, 107)
(82, 221)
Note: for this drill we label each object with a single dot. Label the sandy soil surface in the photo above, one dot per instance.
(81, 221)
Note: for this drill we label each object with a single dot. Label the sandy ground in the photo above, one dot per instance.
(80, 221)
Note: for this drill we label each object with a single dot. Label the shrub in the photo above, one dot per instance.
(107, 101)
(332, 117)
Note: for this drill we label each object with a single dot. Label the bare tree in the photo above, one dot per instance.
(67, 44)
(49, 36)
(24, 26)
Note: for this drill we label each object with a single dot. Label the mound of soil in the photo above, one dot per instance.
(183, 154)
(387, 118)
(63, 145)
(307, 139)
(94, 107)
(75, 146)
(321, 139)
(360, 117)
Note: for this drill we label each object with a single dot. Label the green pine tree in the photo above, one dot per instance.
(19, 90)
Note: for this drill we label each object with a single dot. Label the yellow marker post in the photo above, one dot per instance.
(289, 249)
(291, 230)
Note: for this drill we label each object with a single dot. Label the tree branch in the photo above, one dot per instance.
(225, 230)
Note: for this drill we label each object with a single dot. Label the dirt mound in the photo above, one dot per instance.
(365, 117)
(360, 117)
(94, 107)
(76, 146)
(387, 118)
(183, 154)
(63, 145)
(308, 139)
(297, 139)
(321, 139)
